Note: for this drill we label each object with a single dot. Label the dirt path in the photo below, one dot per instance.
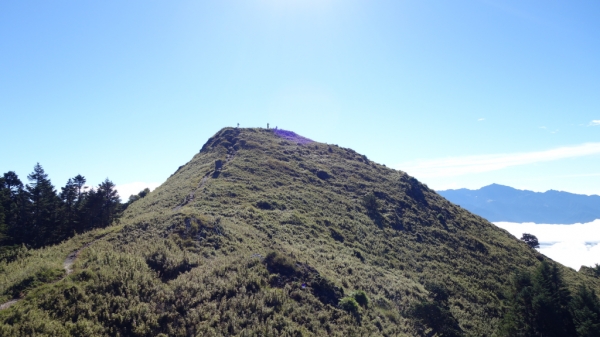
(8, 304)
(67, 264)
(190, 197)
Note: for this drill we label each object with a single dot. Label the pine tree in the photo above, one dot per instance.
(585, 310)
(519, 318)
(4, 199)
(89, 210)
(69, 211)
(16, 207)
(44, 206)
(110, 202)
(551, 302)
(101, 206)
(538, 305)
(79, 182)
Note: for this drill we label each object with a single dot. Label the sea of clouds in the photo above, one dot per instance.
(572, 245)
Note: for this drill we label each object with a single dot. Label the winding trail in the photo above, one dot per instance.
(67, 265)
(8, 304)
(190, 197)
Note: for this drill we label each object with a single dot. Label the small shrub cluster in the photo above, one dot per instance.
(280, 264)
(361, 298)
(270, 205)
(349, 304)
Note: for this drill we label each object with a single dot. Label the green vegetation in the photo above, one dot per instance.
(266, 244)
(361, 298)
(433, 315)
(531, 240)
(540, 304)
(34, 215)
(349, 304)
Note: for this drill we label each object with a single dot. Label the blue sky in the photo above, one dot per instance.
(457, 93)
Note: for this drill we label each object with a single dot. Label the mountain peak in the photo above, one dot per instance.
(266, 232)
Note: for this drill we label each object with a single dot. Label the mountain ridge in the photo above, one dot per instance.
(266, 233)
(503, 203)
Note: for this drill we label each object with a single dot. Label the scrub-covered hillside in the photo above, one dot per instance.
(267, 233)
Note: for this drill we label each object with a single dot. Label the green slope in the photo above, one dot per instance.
(263, 233)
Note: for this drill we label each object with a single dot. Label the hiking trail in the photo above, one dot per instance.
(67, 264)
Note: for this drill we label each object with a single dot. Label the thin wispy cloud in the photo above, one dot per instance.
(481, 119)
(455, 166)
(595, 122)
(578, 175)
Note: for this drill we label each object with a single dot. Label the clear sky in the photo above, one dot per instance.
(457, 93)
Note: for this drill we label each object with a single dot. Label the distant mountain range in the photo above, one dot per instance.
(503, 203)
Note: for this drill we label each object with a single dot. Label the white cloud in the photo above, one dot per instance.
(572, 245)
(125, 190)
(595, 122)
(481, 119)
(455, 166)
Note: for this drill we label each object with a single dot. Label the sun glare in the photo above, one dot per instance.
(298, 5)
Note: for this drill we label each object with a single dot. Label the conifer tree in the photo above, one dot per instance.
(79, 182)
(44, 204)
(585, 310)
(35, 215)
(110, 202)
(93, 209)
(538, 305)
(69, 212)
(4, 199)
(100, 206)
(80, 204)
(16, 207)
(551, 302)
(519, 319)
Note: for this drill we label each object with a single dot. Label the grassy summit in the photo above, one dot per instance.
(267, 233)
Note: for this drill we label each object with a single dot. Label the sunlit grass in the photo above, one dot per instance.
(189, 258)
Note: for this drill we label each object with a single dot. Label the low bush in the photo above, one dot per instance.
(281, 264)
(361, 298)
(370, 202)
(337, 235)
(324, 175)
(326, 291)
(349, 304)
(46, 275)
